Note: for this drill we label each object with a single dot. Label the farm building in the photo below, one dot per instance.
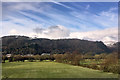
(45, 54)
(8, 55)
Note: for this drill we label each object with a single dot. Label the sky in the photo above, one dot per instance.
(95, 21)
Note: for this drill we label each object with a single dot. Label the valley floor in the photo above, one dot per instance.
(50, 70)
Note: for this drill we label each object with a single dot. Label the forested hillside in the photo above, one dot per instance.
(26, 45)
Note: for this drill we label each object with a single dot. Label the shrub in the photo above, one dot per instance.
(58, 58)
(31, 58)
(110, 63)
(94, 66)
(3, 58)
(18, 58)
(37, 57)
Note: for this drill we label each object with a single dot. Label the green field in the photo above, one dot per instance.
(50, 70)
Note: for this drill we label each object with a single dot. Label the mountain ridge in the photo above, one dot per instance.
(24, 45)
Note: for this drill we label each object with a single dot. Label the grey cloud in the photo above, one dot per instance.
(38, 30)
(53, 31)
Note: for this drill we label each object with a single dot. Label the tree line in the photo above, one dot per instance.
(104, 62)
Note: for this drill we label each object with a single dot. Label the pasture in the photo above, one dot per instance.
(50, 70)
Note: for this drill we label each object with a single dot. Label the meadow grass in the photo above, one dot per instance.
(50, 70)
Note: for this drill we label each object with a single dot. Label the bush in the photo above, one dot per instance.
(110, 64)
(58, 58)
(94, 66)
(10, 59)
(3, 58)
(52, 58)
(31, 58)
(37, 57)
(18, 58)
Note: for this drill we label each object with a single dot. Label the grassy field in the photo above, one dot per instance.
(50, 70)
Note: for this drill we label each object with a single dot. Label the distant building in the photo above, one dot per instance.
(45, 54)
(8, 55)
(29, 55)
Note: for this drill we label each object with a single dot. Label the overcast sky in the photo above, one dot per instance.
(83, 20)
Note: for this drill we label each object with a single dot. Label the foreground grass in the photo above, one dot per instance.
(50, 70)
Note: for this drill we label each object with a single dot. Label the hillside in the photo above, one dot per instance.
(26, 45)
(115, 48)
